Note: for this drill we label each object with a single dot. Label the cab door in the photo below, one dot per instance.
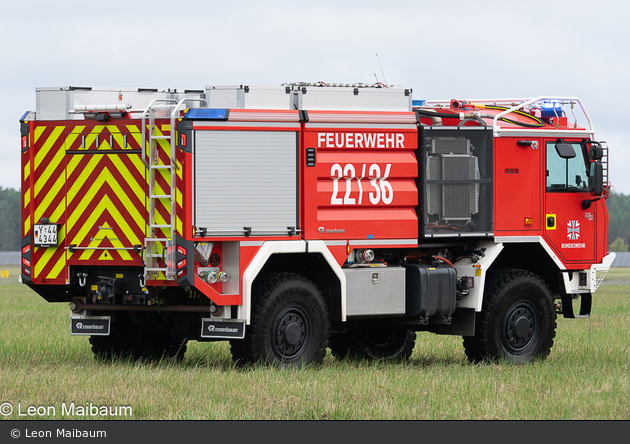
(518, 187)
(568, 227)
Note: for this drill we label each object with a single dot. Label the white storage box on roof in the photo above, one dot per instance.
(249, 97)
(354, 98)
(319, 96)
(60, 103)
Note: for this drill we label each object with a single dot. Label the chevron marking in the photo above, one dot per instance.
(105, 204)
(109, 233)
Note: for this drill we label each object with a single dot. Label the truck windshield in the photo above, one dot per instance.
(566, 174)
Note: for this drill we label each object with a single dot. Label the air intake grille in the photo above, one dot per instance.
(458, 182)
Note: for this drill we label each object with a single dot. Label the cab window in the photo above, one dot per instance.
(566, 167)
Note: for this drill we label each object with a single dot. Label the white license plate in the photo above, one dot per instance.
(45, 235)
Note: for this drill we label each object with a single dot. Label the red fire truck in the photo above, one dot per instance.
(296, 218)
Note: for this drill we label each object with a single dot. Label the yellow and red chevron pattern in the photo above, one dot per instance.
(90, 179)
(44, 196)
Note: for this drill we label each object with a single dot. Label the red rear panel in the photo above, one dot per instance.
(105, 194)
(44, 197)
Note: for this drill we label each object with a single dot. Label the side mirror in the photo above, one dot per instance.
(596, 152)
(596, 179)
(565, 150)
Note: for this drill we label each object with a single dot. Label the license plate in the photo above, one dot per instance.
(211, 328)
(45, 235)
(90, 325)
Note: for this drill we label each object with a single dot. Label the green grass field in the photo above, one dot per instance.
(586, 377)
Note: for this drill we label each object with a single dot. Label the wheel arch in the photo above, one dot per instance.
(311, 260)
(531, 257)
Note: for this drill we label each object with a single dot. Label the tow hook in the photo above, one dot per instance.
(143, 281)
(82, 278)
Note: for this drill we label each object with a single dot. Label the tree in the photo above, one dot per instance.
(9, 219)
(618, 245)
(619, 217)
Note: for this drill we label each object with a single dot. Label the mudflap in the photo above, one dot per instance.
(585, 306)
(220, 329)
(90, 325)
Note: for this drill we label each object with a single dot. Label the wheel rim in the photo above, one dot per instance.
(290, 333)
(520, 327)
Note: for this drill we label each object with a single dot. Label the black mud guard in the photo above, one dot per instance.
(585, 306)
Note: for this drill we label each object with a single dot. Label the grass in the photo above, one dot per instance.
(586, 376)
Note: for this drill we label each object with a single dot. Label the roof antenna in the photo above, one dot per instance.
(383, 74)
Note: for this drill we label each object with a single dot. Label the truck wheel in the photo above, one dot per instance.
(151, 338)
(339, 344)
(374, 344)
(517, 321)
(116, 345)
(154, 348)
(289, 324)
(107, 348)
(128, 339)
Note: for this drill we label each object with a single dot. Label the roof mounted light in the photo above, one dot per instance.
(551, 108)
(207, 114)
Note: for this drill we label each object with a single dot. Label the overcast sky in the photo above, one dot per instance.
(440, 49)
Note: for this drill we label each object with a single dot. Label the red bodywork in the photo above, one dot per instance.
(357, 187)
(362, 187)
(523, 205)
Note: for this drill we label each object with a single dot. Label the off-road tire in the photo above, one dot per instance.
(289, 324)
(375, 344)
(128, 339)
(115, 345)
(517, 321)
(159, 346)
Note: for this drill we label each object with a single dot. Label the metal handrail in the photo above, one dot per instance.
(539, 99)
(144, 116)
(521, 103)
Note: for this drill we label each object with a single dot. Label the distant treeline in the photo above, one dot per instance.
(9, 219)
(618, 226)
(619, 221)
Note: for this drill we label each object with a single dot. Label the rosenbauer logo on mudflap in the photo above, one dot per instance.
(214, 328)
(80, 326)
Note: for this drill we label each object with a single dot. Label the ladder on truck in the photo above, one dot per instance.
(157, 246)
(607, 189)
